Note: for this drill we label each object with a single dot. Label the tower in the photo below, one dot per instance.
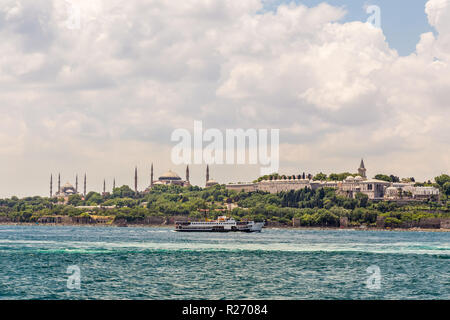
(59, 182)
(104, 186)
(187, 173)
(85, 184)
(114, 184)
(362, 169)
(151, 176)
(207, 173)
(76, 183)
(135, 179)
(51, 185)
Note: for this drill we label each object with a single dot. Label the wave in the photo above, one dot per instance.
(113, 247)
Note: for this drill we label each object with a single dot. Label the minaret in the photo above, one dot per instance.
(135, 179)
(76, 183)
(114, 184)
(151, 176)
(59, 183)
(187, 173)
(85, 184)
(51, 185)
(362, 169)
(104, 186)
(207, 173)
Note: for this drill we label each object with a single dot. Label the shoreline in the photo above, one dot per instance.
(171, 226)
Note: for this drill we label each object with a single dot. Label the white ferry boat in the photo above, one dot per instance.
(222, 224)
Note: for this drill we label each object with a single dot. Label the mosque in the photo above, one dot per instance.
(168, 178)
(171, 178)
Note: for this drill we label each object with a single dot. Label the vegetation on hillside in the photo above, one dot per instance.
(322, 207)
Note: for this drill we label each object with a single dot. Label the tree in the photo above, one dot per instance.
(93, 198)
(320, 177)
(446, 188)
(383, 177)
(123, 192)
(339, 176)
(363, 199)
(442, 179)
(75, 200)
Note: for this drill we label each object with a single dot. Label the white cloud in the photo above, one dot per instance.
(108, 95)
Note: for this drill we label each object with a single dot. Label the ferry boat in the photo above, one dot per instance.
(222, 224)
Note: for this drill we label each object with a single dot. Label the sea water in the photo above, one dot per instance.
(59, 262)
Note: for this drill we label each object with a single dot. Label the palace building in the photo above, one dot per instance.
(375, 189)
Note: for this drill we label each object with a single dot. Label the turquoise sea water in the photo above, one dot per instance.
(158, 263)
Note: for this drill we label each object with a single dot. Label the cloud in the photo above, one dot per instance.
(133, 71)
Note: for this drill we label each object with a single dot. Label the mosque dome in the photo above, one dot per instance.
(170, 175)
(349, 178)
(358, 178)
(211, 183)
(67, 186)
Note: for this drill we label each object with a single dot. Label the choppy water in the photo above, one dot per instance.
(157, 263)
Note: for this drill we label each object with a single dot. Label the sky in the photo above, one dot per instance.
(104, 95)
(403, 21)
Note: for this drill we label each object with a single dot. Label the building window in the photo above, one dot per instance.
(369, 187)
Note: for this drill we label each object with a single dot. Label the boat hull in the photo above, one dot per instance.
(222, 230)
(251, 227)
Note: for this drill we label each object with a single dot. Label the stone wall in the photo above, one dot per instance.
(343, 222)
(430, 223)
(445, 223)
(296, 222)
(171, 220)
(381, 222)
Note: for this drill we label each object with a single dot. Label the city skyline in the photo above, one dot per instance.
(143, 179)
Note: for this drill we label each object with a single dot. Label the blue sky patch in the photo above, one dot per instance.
(402, 21)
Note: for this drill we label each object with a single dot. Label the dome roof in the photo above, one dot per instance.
(349, 178)
(170, 175)
(67, 186)
(211, 182)
(359, 178)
